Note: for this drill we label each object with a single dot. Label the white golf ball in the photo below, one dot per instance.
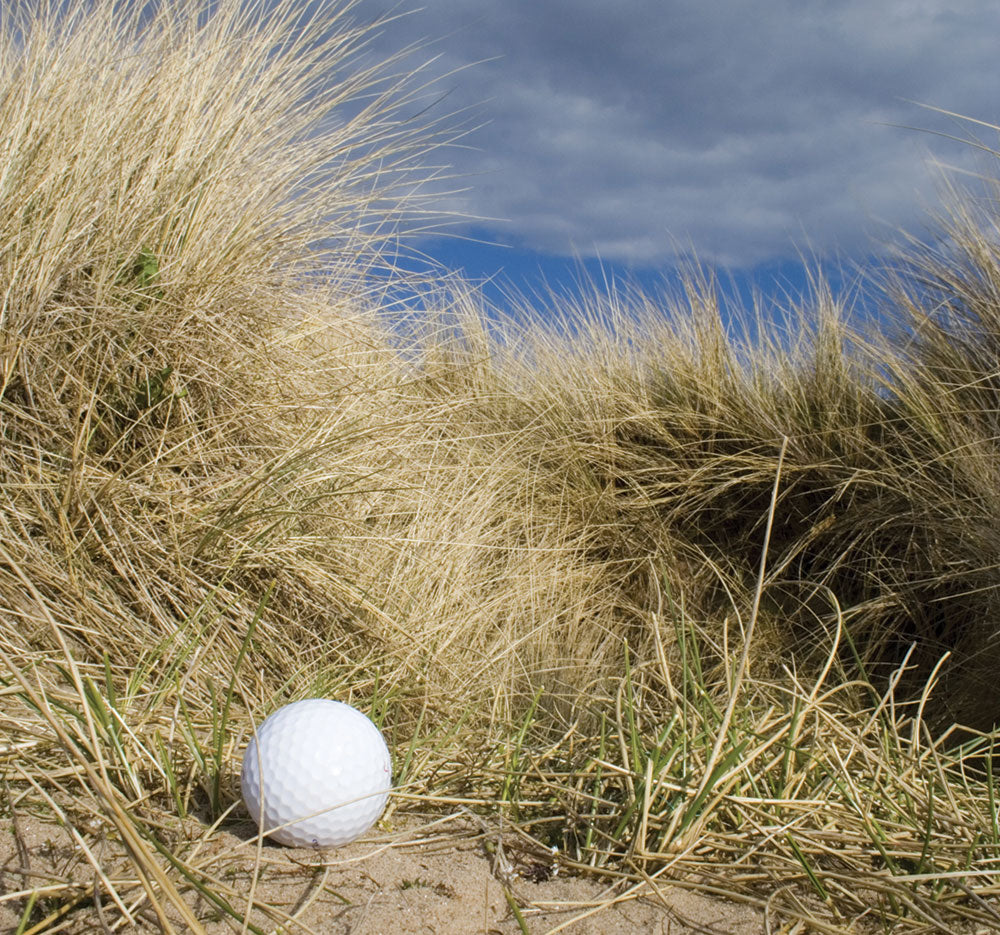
(316, 774)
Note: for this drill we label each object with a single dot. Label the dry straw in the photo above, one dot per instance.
(686, 607)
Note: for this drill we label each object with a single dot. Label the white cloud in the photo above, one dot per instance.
(747, 130)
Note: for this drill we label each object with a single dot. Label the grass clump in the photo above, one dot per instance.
(682, 606)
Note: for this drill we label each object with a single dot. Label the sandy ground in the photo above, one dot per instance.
(446, 877)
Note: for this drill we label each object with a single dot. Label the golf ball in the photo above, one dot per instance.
(316, 774)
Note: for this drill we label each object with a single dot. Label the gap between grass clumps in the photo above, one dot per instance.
(650, 603)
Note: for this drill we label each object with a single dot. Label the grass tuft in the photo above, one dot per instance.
(664, 602)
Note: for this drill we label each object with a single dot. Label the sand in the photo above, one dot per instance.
(445, 876)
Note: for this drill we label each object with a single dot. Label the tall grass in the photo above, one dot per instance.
(681, 605)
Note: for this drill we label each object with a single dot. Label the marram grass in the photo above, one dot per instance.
(685, 608)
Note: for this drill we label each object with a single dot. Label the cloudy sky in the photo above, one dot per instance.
(636, 130)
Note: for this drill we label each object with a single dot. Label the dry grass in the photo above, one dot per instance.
(676, 604)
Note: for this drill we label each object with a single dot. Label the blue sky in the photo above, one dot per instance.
(629, 135)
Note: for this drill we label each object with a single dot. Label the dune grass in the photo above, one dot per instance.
(683, 607)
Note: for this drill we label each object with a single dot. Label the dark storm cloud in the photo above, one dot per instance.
(744, 130)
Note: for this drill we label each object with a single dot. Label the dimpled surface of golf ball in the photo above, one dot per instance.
(321, 765)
